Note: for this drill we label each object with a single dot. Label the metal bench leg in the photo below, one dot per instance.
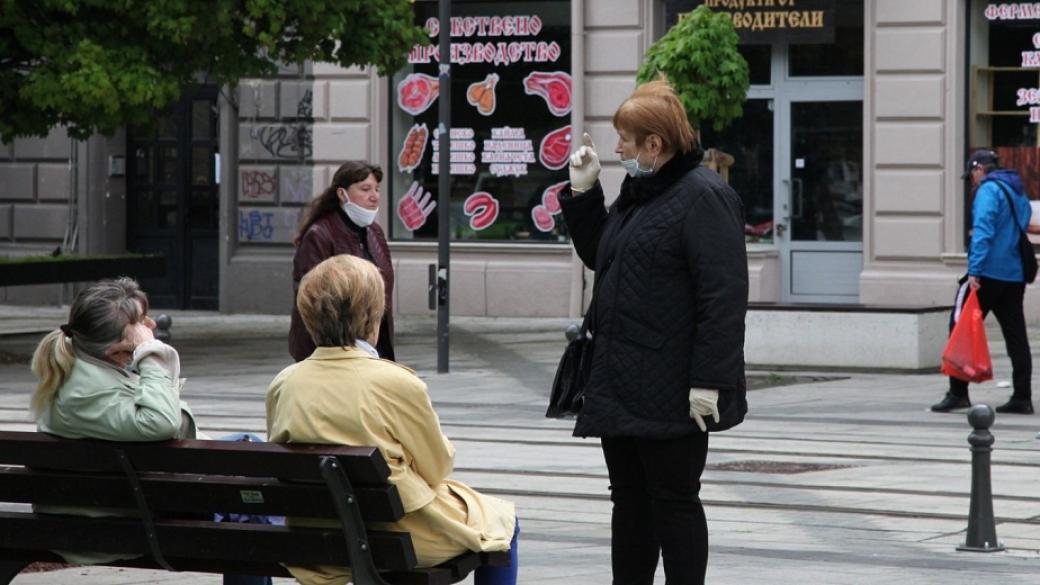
(361, 564)
(10, 569)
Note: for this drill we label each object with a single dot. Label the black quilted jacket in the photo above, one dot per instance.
(669, 301)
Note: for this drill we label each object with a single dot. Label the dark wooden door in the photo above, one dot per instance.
(173, 200)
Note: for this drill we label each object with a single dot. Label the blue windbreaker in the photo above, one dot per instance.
(994, 237)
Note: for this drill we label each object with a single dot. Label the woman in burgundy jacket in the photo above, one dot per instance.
(342, 221)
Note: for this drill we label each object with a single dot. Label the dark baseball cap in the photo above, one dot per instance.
(979, 158)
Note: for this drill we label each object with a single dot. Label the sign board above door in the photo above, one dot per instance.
(769, 21)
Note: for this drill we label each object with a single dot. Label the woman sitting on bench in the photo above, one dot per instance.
(344, 394)
(103, 375)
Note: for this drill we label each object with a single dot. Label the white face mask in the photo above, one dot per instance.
(361, 216)
(634, 170)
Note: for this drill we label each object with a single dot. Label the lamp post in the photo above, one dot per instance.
(444, 185)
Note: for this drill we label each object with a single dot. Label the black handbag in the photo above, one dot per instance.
(1025, 247)
(568, 388)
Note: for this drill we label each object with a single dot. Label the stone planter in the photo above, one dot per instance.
(79, 269)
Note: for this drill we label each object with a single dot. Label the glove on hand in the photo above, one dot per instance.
(160, 354)
(584, 166)
(703, 403)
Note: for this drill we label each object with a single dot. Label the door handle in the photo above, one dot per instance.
(780, 228)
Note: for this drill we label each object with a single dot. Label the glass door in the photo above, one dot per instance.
(819, 230)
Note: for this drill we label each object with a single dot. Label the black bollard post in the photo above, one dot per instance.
(982, 527)
(162, 328)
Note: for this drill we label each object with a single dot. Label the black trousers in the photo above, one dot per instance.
(654, 485)
(1004, 299)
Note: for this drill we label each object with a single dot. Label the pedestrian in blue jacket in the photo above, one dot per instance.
(995, 274)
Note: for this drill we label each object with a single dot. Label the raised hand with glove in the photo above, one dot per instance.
(584, 165)
(704, 403)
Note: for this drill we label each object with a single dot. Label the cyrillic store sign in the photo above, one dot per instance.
(768, 21)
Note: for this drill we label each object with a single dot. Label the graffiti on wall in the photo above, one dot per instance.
(254, 184)
(285, 141)
(267, 225)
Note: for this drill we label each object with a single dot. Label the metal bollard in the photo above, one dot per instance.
(982, 528)
(572, 331)
(162, 328)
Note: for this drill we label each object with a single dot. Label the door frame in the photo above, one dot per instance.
(783, 91)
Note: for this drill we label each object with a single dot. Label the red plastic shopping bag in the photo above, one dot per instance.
(967, 354)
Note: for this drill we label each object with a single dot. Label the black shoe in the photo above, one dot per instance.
(951, 402)
(1017, 406)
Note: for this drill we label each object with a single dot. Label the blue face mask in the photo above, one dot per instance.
(634, 170)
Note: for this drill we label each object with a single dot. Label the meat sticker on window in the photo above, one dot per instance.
(555, 148)
(482, 210)
(414, 148)
(482, 94)
(543, 215)
(554, 87)
(415, 207)
(417, 92)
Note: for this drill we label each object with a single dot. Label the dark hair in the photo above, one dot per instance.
(350, 172)
(97, 319)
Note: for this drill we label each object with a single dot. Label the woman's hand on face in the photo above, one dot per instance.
(137, 333)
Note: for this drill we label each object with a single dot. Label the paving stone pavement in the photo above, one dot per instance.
(843, 481)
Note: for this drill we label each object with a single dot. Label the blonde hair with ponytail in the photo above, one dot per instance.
(51, 362)
(97, 319)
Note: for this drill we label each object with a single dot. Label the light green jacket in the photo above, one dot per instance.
(102, 401)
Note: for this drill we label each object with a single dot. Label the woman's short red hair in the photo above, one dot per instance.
(654, 108)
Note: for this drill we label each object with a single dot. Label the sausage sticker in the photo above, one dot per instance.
(482, 210)
(413, 149)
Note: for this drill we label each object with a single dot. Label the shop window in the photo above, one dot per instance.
(510, 136)
(1004, 92)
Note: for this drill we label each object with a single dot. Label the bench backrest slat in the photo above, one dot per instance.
(291, 462)
(186, 493)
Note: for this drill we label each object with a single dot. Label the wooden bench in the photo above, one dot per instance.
(162, 483)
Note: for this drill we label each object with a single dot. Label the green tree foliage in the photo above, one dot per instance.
(699, 57)
(96, 65)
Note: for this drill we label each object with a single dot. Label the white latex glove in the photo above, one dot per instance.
(703, 403)
(584, 166)
(158, 353)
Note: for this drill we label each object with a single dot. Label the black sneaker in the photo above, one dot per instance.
(1017, 406)
(952, 402)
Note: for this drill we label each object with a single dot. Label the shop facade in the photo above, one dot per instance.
(858, 121)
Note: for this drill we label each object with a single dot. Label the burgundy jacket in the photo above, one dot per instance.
(332, 235)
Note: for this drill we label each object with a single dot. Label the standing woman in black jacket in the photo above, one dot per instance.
(668, 330)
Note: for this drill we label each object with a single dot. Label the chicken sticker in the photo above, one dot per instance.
(542, 215)
(482, 210)
(554, 87)
(413, 149)
(555, 149)
(417, 92)
(482, 94)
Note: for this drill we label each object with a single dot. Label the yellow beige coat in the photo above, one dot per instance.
(345, 396)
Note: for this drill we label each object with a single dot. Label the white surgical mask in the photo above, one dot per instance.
(634, 170)
(362, 216)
